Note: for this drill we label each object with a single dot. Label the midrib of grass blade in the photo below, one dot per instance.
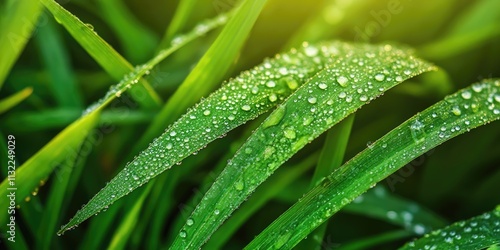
(14, 99)
(39, 166)
(103, 53)
(475, 233)
(209, 71)
(241, 99)
(458, 113)
(17, 22)
(351, 81)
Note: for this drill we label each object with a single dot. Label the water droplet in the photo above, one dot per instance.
(311, 51)
(231, 117)
(456, 110)
(379, 77)
(189, 222)
(289, 133)
(169, 146)
(342, 80)
(239, 185)
(173, 133)
(342, 95)
(312, 100)
(392, 215)
(206, 112)
(322, 85)
(273, 98)
(466, 94)
(477, 87)
(271, 84)
(182, 234)
(246, 107)
(399, 78)
(268, 151)
(363, 98)
(348, 99)
(216, 212)
(497, 97)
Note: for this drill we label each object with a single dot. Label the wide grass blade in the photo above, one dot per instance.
(17, 22)
(14, 99)
(103, 53)
(458, 113)
(39, 166)
(476, 233)
(351, 81)
(241, 99)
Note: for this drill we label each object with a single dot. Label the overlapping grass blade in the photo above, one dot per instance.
(138, 42)
(17, 22)
(458, 113)
(239, 100)
(39, 166)
(103, 53)
(14, 99)
(351, 81)
(476, 233)
(210, 70)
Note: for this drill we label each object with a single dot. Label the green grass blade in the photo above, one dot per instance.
(458, 113)
(253, 92)
(370, 242)
(103, 53)
(62, 187)
(209, 71)
(181, 16)
(14, 99)
(476, 233)
(39, 166)
(364, 73)
(276, 183)
(56, 60)
(137, 41)
(17, 22)
(380, 204)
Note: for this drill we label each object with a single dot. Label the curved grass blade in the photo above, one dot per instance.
(458, 113)
(249, 95)
(103, 53)
(476, 233)
(14, 99)
(351, 81)
(39, 166)
(17, 22)
(209, 71)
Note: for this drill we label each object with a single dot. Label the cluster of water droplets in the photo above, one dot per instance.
(476, 232)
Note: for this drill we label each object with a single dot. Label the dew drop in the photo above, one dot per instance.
(311, 51)
(246, 107)
(183, 234)
(497, 97)
(379, 77)
(231, 117)
(342, 80)
(169, 146)
(466, 95)
(173, 133)
(312, 100)
(322, 85)
(189, 222)
(456, 111)
(216, 212)
(206, 112)
(289, 133)
(273, 98)
(348, 99)
(271, 84)
(239, 185)
(363, 98)
(342, 95)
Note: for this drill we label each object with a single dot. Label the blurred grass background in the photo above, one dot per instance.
(457, 180)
